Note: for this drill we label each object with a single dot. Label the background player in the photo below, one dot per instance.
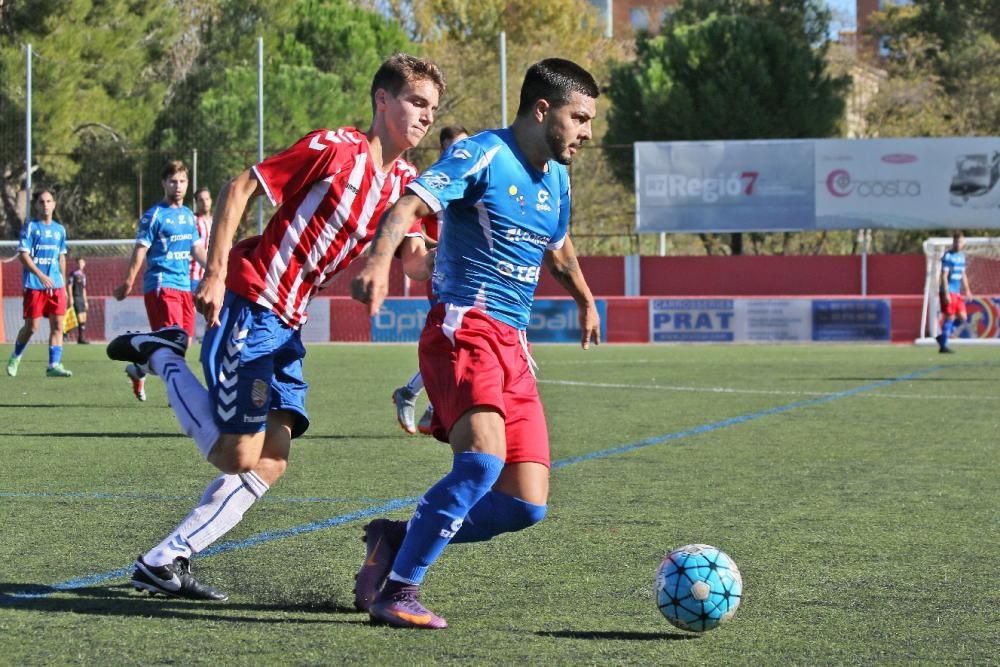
(42, 251)
(77, 291)
(506, 199)
(952, 284)
(203, 220)
(330, 188)
(167, 239)
(405, 397)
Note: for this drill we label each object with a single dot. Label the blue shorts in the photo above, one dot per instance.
(253, 364)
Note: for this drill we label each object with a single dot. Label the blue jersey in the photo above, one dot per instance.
(500, 216)
(168, 233)
(953, 262)
(45, 244)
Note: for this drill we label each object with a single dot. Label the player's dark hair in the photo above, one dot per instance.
(449, 133)
(171, 167)
(38, 195)
(203, 188)
(554, 80)
(402, 69)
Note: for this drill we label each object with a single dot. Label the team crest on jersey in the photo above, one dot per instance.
(436, 180)
(258, 393)
(519, 198)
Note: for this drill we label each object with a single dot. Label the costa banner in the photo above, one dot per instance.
(794, 185)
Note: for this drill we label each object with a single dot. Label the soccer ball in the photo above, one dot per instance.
(698, 587)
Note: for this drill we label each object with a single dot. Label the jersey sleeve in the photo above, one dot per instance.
(24, 245)
(63, 249)
(146, 233)
(459, 175)
(559, 238)
(310, 159)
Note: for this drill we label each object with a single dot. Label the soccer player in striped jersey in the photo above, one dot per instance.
(330, 188)
(203, 221)
(506, 201)
(405, 397)
(42, 251)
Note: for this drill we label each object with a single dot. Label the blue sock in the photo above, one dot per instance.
(55, 355)
(440, 513)
(498, 513)
(19, 348)
(949, 326)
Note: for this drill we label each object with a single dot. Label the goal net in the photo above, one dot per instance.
(983, 272)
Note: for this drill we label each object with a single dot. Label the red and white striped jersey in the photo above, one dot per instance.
(204, 225)
(330, 196)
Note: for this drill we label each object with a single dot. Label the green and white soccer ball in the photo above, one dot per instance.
(698, 587)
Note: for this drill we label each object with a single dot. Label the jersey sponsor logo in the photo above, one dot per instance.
(436, 180)
(254, 419)
(543, 201)
(517, 234)
(524, 274)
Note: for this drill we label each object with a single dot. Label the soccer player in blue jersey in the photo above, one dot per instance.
(42, 251)
(167, 239)
(405, 398)
(952, 284)
(506, 201)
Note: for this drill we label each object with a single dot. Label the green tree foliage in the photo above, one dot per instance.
(96, 83)
(727, 69)
(319, 61)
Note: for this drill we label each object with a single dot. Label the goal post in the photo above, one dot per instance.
(983, 273)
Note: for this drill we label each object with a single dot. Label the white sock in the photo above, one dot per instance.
(416, 384)
(222, 506)
(189, 399)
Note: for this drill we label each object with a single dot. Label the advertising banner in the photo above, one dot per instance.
(768, 320)
(692, 320)
(733, 186)
(851, 319)
(558, 321)
(724, 186)
(400, 321)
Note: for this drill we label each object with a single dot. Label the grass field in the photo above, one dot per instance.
(856, 487)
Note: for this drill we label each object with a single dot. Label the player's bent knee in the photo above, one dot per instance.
(234, 454)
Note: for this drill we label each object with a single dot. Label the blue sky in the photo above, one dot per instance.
(843, 15)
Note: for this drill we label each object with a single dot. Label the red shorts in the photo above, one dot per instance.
(44, 303)
(482, 364)
(168, 307)
(954, 307)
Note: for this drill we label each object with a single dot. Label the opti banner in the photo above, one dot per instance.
(787, 185)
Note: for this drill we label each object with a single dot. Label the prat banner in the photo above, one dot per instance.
(795, 185)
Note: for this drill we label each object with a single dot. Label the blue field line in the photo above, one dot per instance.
(742, 419)
(399, 503)
(99, 495)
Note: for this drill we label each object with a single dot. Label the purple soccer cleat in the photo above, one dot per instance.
(400, 607)
(383, 538)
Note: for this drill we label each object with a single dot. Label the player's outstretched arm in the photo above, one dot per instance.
(232, 205)
(563, 266)
(372, 284)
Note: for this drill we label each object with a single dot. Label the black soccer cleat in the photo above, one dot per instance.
(173, 580)
(138, 346)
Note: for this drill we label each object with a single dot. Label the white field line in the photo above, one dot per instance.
(766, 392)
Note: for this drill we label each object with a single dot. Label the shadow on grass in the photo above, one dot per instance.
(626, 636)
(121, 600)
